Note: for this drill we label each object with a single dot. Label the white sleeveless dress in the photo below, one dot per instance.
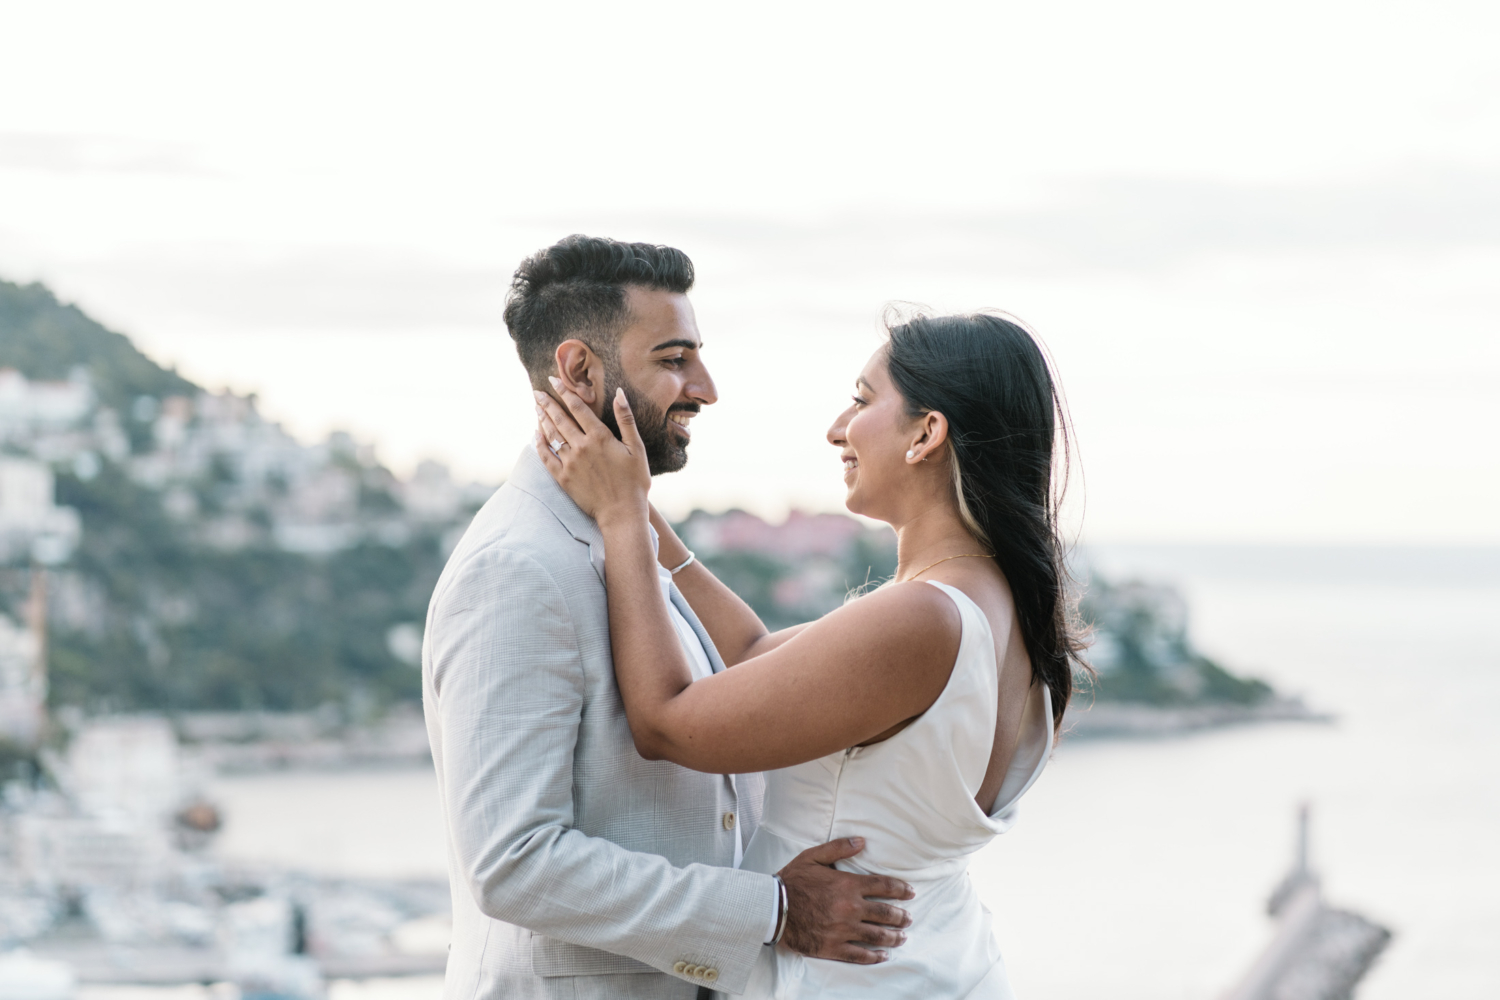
(912, 798)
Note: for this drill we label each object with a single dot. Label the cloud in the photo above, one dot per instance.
(1131, 224)
(95, 154)
(331, 288)
(1145, 222)
(1123, 225)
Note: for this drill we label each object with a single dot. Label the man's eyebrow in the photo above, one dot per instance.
(691, 345)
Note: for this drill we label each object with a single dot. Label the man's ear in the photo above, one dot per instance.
(581, 370)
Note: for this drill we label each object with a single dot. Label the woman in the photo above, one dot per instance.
(915, 716)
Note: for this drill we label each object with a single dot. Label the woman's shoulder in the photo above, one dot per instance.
(914, 594)
(912, 617)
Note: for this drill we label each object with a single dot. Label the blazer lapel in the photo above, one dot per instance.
(714, 659)
(531, 477)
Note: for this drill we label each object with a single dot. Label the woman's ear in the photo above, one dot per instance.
(932, 431)
(581, 371)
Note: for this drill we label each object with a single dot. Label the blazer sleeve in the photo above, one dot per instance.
(509, 683)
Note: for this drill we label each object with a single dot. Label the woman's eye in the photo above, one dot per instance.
(858, 400)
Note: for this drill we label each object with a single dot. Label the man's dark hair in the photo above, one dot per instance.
(576, 288)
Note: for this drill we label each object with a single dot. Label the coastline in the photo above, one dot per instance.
(1136, 720)
(400, 740)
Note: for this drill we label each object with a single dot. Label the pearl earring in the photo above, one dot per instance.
(911, 453)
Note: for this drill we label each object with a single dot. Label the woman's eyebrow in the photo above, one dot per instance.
(861, 383)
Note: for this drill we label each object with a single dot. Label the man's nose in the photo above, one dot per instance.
(700, 386)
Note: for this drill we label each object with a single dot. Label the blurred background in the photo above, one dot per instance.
(254, 382)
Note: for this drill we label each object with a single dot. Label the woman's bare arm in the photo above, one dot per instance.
(842, 680)
(737, 631)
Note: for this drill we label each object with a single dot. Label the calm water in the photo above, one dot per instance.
(1140, 869)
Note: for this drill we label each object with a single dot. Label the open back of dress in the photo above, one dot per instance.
(912, 798)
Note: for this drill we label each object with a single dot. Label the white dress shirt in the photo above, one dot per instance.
(701, 668)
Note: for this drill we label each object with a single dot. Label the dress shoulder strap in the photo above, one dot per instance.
(1035, 741)
(961, 599)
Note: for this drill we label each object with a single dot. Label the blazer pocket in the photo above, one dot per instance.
(551, 957)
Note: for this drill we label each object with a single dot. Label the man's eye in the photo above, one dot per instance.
(679, 362)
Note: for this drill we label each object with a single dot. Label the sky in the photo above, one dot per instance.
(1261, 242)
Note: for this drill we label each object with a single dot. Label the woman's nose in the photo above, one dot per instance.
(836, 432)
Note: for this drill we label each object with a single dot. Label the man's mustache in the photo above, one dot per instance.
(684, 408)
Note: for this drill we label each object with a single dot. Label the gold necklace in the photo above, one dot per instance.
(966, 555)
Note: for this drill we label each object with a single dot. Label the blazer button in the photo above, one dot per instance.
(694, 970)
(729, 821)
(680, 968)
(710, 975)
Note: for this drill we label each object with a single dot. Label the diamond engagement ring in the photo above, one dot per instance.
(557, 445)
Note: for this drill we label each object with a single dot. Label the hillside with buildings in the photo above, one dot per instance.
(195, 555)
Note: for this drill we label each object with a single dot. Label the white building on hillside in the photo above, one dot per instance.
(27, 406)
(23, 685)
(31, 524)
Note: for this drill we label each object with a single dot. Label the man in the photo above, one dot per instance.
(578, 868)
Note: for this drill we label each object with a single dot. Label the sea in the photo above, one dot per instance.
(1140, 868)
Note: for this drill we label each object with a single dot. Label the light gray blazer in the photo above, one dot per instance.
(568, 854)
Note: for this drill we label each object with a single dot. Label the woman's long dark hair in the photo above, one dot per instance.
(988, 376)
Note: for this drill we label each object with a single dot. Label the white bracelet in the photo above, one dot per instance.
(780, 923)
(685, 563)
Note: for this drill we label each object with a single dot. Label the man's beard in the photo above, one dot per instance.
(665, 449)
